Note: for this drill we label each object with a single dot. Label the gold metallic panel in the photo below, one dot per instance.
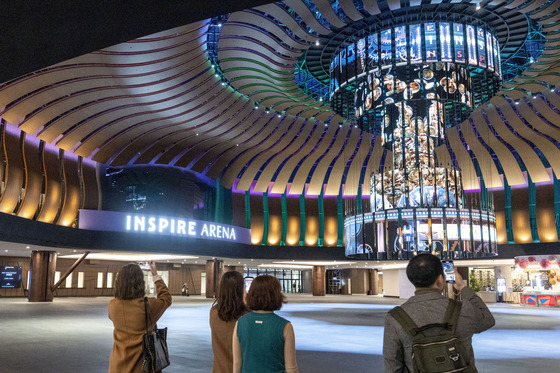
(243, 130)
(468, 172)
(71, 199)
(534, 120)
(283, 177)
(487, 167)
(443, 157)
(268, 173)
(550, 151)
(509, 164)
(33, 179)
(90, 190)
(277, 145)
(53, 191)
(374, 162)
(243, 150)
(298, 183)
(278, 130)
(352, 183)
(13, 179)
(318, 178)
(532, 161)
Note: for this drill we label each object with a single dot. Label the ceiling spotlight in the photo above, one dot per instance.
(223, 83)
(217, 75)
(321, 99)
(27, 247)
(212, 65)
(477, 6)
(219, 25)
(517, 102)
(316, 42)
(279, 115)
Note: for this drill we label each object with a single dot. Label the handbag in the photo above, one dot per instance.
(154, 346)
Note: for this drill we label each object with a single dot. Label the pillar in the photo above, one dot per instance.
(318, 280)
(373, 281)
(42, 269)
(214, 270)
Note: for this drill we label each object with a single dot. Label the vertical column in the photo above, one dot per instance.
(214, 269)
(373, 281)
(266, 218)
(318, 280)
(42, 269)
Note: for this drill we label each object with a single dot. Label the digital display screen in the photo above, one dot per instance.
(386, 47)
(497, 58)
(400, 44)
(361, 56)
(430, 41)
(490, 53)
(445, 41)
(415, 44)
(459, 41)
(448, 269)
(335, 73)
(350, 61)
(342, 66)
(373, 51)
(481, 47)
(471, 42)
(10, 277)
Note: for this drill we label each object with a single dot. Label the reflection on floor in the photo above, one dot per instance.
(333, 334)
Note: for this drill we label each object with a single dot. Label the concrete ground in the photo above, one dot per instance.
(333, 334)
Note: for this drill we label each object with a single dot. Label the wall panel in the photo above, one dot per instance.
(71, 198)
(13, 181)
(34, 180)
(53, 188)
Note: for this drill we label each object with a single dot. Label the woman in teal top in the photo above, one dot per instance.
(264, 342)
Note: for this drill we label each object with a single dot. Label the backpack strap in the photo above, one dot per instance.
(451, 317)
(404, 320)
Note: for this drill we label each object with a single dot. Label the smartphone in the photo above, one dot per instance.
(145, 266)
(449, 270)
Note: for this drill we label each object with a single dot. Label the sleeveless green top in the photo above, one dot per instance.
(261, 336)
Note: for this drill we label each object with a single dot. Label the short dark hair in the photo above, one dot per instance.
(229, 301)
(265, 294)
(129, 283)
(423, 270)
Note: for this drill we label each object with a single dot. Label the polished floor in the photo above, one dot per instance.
(333, 334)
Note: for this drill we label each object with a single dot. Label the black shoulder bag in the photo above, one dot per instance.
(154, 346)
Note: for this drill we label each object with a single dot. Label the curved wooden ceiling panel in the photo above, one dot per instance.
(159, 100)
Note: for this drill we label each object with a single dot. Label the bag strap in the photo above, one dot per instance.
(146, 312)
(404, 320)
(452, 314)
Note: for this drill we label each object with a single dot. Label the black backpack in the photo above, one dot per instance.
(435, 347)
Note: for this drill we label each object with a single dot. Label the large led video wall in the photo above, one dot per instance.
(452, 234)
(416, 44)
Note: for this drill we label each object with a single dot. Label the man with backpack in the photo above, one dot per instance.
(430, 332)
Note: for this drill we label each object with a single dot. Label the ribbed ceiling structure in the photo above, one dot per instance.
(158, 100)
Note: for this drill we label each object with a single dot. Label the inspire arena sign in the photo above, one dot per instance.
(161, 225)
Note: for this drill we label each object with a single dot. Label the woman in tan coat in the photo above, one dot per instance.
(228, 307)
(128, 316)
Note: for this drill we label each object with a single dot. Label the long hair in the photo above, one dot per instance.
(265, 294)
(229, 302)
(129, 283)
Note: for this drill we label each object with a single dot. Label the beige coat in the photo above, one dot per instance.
(128, 320)
(222, 333)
